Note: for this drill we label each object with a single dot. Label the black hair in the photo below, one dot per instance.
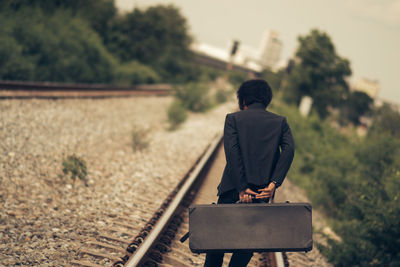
(252, 91)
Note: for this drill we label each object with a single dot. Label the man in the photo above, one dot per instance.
(259, 150)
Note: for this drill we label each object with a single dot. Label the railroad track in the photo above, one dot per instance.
(47, 90)
(152, 239)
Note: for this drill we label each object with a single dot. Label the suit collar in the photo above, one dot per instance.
(256, 105)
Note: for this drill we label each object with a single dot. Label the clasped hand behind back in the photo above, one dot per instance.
(246, 196)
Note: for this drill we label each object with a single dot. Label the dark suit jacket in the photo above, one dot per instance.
(259, 149)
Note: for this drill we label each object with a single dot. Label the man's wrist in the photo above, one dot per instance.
(243, 187)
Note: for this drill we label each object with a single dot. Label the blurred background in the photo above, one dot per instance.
(333, 67)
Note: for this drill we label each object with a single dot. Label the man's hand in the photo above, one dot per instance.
(245, 196)
(266, 192)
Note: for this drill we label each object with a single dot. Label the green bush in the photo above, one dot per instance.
(274, 79)
(194, 96)
(177, 114)
(357, 184)
(156, 36)
(323, 157)
(221, 96)
(370, 221)
(56, 47)
(82, 41)
(13, 65)
(75, 167)
(209, 73)
(133, 72)
(385, 120)
(236, 78)
(139, 138)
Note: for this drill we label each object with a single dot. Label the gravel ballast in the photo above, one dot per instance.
(43, 213)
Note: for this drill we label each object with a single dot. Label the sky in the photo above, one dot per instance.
(367, 32)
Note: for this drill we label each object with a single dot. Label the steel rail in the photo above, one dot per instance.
(279, 259)
(15, 89)
(158, 228)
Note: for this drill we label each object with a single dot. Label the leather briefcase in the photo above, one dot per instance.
(250, 227)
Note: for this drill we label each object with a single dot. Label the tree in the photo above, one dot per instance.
(274, 79)
(98, 13)
(356, 105)
(87, 41)
(320, 73)
(386, 120)
(157, 36)
(13, 65)
(57, 47)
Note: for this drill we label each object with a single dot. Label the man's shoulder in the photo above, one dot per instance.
(233, 114)
(274, 115)
(249, 113)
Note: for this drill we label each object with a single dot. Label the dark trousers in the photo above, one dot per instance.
(238, 259)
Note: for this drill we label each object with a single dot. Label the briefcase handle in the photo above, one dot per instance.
(270, 200)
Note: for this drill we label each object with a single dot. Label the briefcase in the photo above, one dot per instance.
(252, 227)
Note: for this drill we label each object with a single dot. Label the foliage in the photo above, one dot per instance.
(386, 119)
(221, 96)
(321, 73)
(177, 114)
(133, 72)
(85, 41)
(139, 138)
(355, 182)
(75, 167)
(371, 220)
(236, 78)
(194, 96)
(156, 36)
(355, 106)
(98, 13)
(206, 73)
(51, 48)
(274, 79)
(323, 157)
(13, 65)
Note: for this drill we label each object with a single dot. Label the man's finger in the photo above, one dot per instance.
(248, 198)
(250, 192)
(263, 195)
(265, 190)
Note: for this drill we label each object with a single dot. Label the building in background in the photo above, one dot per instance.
(248, 56)
(267, 56)
(370, 87)
(219, 58)
(271, 48)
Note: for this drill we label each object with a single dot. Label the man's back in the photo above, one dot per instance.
(256, 136)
